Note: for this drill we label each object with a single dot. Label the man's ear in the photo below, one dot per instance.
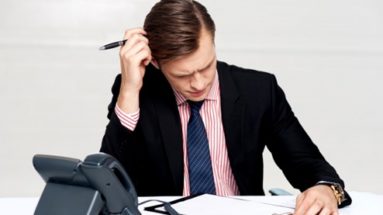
(155, 63)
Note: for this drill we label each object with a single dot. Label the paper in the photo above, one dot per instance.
(281, 201)
(362, 202)
(211, 205)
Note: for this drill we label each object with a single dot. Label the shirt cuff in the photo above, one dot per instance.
(128, 120)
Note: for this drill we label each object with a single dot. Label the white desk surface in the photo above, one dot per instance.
(363, 203)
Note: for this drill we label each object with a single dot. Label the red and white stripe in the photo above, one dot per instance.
(225, 183)
(211, 116)
(129, 120)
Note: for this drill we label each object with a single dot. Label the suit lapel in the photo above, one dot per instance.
(232, 119)
(171, 133)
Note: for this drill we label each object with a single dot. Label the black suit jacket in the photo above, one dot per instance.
(255, 114)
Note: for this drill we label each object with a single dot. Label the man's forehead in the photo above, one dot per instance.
(197, 60)
(188, 67)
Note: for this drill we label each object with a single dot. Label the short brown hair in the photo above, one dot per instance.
(174, 26)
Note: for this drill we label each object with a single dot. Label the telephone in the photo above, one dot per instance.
(97, 186)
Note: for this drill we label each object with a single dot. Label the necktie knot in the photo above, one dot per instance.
(195, 106)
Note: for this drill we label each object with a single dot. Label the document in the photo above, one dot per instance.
(363, 203)
(216, 205)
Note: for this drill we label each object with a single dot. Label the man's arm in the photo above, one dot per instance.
(135, 55)
(299, 158)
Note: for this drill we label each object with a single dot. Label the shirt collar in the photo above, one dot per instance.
(213, 94)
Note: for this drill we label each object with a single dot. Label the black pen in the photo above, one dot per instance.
(113, 45)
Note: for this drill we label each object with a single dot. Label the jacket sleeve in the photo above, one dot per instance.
(292, 149)
(117, 138)
(115, 132)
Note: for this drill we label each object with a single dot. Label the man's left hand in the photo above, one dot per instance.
(318, 199)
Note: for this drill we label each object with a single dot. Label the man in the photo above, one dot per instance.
(182, 122)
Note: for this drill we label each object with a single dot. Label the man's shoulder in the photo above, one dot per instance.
(242, 75)
(153, 80)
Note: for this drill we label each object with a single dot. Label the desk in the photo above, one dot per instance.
(363, 203)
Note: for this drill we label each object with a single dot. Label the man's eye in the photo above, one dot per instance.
(181, 76)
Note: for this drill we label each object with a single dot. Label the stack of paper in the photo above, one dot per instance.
(211, 205)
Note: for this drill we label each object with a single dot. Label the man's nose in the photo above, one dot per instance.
(197, 82)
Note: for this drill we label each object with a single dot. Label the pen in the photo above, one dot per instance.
(113, 45)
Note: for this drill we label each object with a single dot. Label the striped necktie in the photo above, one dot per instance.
(199, 163)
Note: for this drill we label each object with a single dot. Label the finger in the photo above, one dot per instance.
(132, 41)
(136, 48)
(299, 199)
(325, 211)
(135, 55)
(133, 47)
(130, 32)
(315, 208)
(143, 57)
(329, 211)
(304, 205)
(149, 57)
(134, 38)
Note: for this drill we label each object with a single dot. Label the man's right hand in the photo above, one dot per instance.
(135, 55)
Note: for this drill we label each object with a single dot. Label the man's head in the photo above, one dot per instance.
(174, 26)
(181, 39)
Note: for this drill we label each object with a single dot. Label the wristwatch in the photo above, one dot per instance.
(337, 189)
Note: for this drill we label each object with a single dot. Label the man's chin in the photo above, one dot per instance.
(196, 98)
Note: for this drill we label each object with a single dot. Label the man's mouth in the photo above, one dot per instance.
(197, 93)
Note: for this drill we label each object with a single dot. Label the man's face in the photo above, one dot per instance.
(192, 75)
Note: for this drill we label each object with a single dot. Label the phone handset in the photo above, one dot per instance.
(99, 185)
(107, 175)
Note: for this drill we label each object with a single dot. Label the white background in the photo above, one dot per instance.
(55, 84)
